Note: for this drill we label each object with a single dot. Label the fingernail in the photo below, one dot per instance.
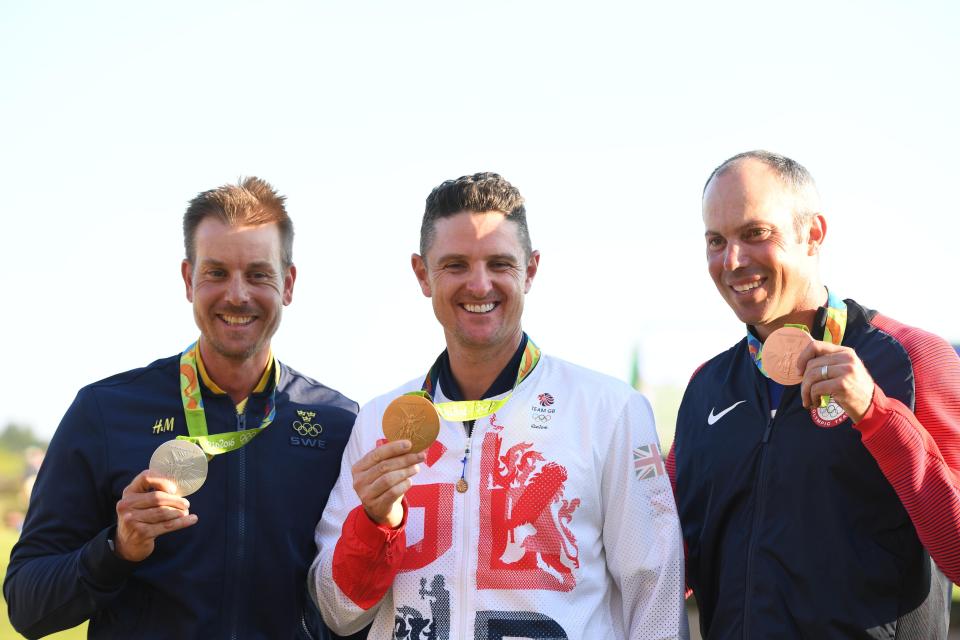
(186, 502)
(406, 445)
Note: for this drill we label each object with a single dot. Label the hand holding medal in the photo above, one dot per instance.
(824, 370)
(153, 503)
(383, 476)
(150, 507)
(781, 357)
(835, 372)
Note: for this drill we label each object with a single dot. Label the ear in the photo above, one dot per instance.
(288, 279)
(186, 270)
(532, 265)
(816, 233)
(420, 270)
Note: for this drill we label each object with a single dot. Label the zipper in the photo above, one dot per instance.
(306, 629)
(465, 526)
(760, 491)
(241, 524)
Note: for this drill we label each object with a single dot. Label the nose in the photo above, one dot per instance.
(478, 283)
(238, 293)
(732, 257)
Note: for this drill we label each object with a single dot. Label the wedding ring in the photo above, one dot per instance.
(823, 372)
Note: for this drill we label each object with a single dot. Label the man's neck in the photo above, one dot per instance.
(237, 377)
(805, 315)
(475, 370)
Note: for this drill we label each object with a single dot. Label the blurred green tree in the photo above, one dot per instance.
(17, 437)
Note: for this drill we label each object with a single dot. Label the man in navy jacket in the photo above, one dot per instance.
(107, 540)
(825, 509)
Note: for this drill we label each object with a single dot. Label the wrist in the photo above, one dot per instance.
(395, 517)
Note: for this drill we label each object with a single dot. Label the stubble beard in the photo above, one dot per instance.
(239, 356)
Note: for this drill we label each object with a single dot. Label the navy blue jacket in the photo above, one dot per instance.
(239, 572)
(792, 529)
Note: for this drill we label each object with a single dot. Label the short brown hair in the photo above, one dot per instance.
(477, 193)
(250, 202)
(791, 173)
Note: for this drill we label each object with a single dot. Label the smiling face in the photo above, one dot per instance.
(477, 273)
(238, 288)
(763, 267)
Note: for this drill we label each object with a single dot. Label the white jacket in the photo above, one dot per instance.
(568, 528)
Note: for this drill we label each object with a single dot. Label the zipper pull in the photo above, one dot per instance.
(766, 433)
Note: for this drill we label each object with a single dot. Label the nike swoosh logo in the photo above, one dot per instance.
(712, 419)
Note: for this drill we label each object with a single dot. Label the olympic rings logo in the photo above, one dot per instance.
(307, 429)
(542, 417)
(832, 410)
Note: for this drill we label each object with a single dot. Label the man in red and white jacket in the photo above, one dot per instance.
(542, 512)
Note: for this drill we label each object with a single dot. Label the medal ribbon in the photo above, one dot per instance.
(833, 330)
(196, 418)
(468, 410)
(464, 410)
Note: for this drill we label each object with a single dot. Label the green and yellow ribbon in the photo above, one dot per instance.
(833, 330)
(218, 443)
(464, 410)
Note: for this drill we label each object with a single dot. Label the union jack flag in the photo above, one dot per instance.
(647, 461)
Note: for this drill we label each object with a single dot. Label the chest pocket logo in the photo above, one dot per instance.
(307, 431)
(713, 419)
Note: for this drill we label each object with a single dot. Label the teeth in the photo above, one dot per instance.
(740, 288)
(237, 319)
(479, 308)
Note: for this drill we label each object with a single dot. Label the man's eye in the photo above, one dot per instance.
(501, 265)
(715, 242)
(216, 273)
(757, 233)
(259, 275)
(455, 266)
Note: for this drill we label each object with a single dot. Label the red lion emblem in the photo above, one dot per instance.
(524, 539)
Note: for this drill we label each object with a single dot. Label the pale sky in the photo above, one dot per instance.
(607, 116)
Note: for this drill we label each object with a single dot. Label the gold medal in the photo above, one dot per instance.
(413, 418)
(780, 353)
(182, 462)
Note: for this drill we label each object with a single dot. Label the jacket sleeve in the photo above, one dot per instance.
(671, 465)
(61, 570)
(919, 451)
(641, 532)
(356, 559)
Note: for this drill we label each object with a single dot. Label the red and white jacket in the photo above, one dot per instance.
(568, 528)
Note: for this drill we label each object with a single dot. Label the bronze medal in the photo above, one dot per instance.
(183, 462)
(412, 418)
(461, 486)
(780, 353)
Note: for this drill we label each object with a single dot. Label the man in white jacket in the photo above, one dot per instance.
(542, 510)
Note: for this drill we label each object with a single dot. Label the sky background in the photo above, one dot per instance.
(607, 116)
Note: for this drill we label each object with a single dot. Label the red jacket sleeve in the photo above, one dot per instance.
(672, 474)
(367, 557)
(919, 451)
